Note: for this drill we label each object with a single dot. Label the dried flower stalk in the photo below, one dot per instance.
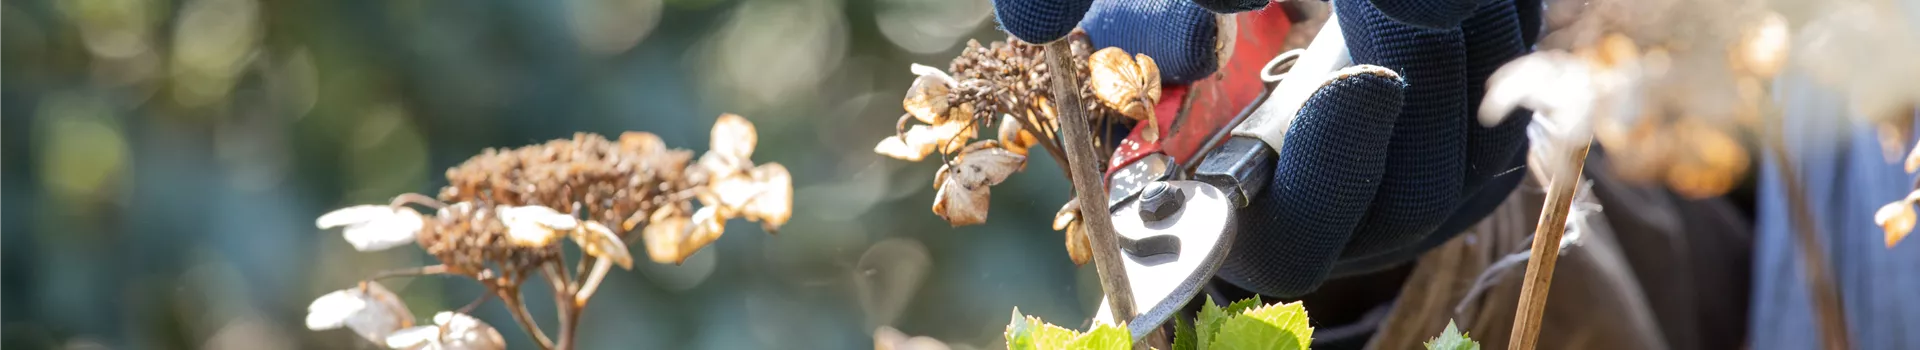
(503, 214)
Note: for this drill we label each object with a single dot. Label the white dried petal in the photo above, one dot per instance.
(371, 311)
(533, 225)
(929, 71)
(598, 241)
(897, 148)
(774, 204)
(731, 192)
(451, 331)
(733, 136)
(374, 227)
(926, 99)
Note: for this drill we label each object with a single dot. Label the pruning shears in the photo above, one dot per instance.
(1174, 202)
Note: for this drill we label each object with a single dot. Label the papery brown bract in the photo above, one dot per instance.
(1128, 84)
(963, 187)
(1067, 220)
(1896, 219)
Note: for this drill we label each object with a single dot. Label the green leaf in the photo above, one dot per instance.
(1183, 334)
(1029, 333)
(1212, 316)
(1103, 337)
(1241, 306)
(1452, 339)
(1281, 326)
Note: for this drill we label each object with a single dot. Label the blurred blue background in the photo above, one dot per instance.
(164, 161)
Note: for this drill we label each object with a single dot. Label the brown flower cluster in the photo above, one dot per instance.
(503, 214)
(1008, 84)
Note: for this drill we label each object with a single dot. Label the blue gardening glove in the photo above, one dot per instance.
(1378, 167)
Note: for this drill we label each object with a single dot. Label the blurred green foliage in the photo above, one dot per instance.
(164, 161)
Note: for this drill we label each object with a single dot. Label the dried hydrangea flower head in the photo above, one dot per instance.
(1006, 84)
(503, 214)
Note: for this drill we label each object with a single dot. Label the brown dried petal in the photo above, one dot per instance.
(665, 230)
(1896, 219)
(894, 146)
(1014, 136)
(962, 196)
(774, 205)
(598, 241)
(1068, 219)
(1130, 85)
(708, 224)
(1068, 214)
(1079, 249)
(1913, 159)
(927, 99)
(1117, 80)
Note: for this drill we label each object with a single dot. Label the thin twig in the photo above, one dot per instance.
(510, 295)
(569, 314)
(1546, 249)
(1076, 129)
(409, 272)
(591, 283)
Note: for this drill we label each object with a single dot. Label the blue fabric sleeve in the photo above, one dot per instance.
(1844, 178)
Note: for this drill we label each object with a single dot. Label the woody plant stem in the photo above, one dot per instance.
(1546, 248)
(1077, 131)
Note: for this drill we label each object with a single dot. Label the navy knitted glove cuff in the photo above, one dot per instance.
(1039, 21)
(1231, 6)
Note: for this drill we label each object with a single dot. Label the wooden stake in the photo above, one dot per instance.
(1077, 134)
(1546, 250)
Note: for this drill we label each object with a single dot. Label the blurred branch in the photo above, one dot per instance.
(1813, 255)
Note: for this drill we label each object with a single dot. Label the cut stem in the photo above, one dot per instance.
(1076, 130)
(1546, 249)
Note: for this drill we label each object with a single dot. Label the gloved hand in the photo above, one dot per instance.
(1379, 166)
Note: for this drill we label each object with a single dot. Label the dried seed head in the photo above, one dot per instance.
(467, 238)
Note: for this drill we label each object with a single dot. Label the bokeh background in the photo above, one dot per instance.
(164, 161)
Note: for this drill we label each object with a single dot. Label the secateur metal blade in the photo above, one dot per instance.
(1175, 215)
